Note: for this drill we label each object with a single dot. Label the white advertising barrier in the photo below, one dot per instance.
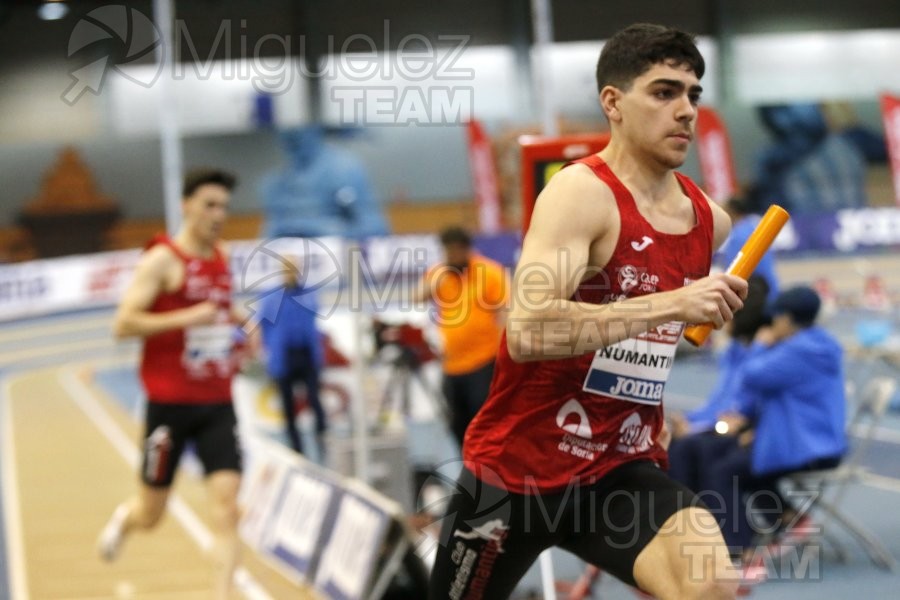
(260, 265)
(364, 548)
(289, 508)
(317, 527)
(60, 284)
(95, 280)
(374, 276)
(326, 263)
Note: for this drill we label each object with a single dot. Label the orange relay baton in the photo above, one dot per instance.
(746, 260)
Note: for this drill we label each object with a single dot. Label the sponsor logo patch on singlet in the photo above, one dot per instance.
(636, 369)
(208, 343)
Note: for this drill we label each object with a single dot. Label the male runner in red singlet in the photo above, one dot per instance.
(569, 449)
(179, 302)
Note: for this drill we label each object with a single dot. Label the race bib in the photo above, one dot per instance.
(636, 369)
(208, 343)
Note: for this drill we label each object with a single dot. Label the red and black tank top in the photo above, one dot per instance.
(192, 365)
(552, 423)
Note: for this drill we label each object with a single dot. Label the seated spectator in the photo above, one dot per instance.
(790, 418)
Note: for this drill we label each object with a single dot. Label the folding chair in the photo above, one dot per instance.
(873, 402)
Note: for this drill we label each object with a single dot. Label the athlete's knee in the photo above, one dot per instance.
(224, 508)
(148, 515)
(226, 514)
(224, 504)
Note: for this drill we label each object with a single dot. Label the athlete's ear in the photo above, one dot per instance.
(609, 101)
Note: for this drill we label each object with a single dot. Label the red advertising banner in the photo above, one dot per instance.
(890, 112)
(484, 179)
(714, 149)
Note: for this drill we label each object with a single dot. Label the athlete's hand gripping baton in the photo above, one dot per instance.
(746, 260)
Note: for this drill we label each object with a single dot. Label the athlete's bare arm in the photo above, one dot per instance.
(156, 272)
(721, 224)
(573, 232)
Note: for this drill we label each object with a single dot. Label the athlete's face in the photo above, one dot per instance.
(657, 114)
(206, 209)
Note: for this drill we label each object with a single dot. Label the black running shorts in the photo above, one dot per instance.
(491, 537)
(212, 428)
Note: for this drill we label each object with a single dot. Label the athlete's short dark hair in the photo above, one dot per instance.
(632, 51)
(197, 177)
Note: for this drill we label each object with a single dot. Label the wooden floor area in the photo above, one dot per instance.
(69, 454)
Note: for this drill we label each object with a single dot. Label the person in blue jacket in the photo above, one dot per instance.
(292, 346)
(791, 416)
(744, 221)
(694, 439)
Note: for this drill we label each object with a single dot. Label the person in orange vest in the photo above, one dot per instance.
(470, 294)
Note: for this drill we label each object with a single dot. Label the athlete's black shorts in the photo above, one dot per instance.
(212, 428)
(491, 537)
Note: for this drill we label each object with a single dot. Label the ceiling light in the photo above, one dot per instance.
(52, 11)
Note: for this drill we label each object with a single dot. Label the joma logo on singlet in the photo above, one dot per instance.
(637, 388)
(640, 246)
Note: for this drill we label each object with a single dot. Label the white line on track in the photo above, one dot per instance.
(12, 517)
(68, 348)
(881, 434)
(30, 332)
(88, 403)
(891, 484)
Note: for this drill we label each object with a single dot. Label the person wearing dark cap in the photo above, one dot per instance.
(791, 416)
